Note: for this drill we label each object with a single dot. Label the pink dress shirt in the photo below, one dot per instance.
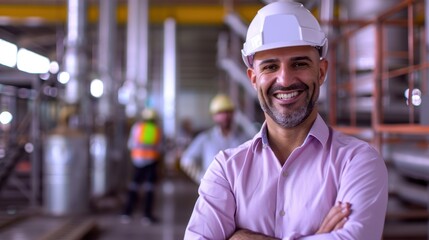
(246, 187)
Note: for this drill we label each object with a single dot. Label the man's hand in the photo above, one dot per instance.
(336, 218)
(244, 234)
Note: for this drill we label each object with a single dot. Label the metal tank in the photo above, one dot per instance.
(100, 165)
(66, 174)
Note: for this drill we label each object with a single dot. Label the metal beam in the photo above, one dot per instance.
(202, 14)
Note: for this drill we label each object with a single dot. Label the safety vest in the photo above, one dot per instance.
(146, 137)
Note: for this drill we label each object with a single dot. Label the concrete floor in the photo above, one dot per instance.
(175, 199)
(176, 196)
(174, 205)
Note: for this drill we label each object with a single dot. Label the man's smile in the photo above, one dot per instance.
(286, 96)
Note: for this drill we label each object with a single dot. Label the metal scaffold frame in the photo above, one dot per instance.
(380, 74)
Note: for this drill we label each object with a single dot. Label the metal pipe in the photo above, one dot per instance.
(130, 86)
(137, 56)
(410, 60)
(424, 107)
(35, 156)
(327, 14)
(132, 41)
(106, 56)
(236, 24)
(411, 161)
(170, 78)
(412, 193)
(238, 75)
(142, 52)
(232, 68)
(75, 61)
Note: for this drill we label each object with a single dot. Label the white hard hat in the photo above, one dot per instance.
(283, 24)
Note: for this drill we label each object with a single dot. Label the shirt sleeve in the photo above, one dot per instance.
(194, 151)
(364, 184)
(213, 214)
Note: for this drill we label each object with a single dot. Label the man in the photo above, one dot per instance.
(224, 134)
(297, 178)
(144, 144)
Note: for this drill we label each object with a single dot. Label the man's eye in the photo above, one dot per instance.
(300, 64)
(270, 67)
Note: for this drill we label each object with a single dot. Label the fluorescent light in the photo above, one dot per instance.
(32, 62)
(8, 53)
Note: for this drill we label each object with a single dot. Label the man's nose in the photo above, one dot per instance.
(284, 75)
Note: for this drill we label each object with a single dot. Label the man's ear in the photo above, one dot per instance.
(252, 77)
(323, 70)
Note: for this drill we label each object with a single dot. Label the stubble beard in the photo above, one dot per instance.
(288, 120)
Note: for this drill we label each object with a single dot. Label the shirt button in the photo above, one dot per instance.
(284, 174)
(282, 213)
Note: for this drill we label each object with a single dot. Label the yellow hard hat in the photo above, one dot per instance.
(221, 102)
(148, 114)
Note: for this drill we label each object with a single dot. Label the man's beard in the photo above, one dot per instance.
(289, 120)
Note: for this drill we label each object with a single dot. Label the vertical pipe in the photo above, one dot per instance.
(106, 55)
(235, 46)
(75, 61)
(137, 54)
(424, 107)
(142, 52)
(77, 140)
(132, 40)
(410, 60)
(131, 58)
(424, 60)
(169, 83)
(327, 14)
(426, 50)
(36, 162)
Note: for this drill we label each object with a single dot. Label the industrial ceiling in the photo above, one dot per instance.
(40, 25)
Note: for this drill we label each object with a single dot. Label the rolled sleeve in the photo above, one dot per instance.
(213, 215)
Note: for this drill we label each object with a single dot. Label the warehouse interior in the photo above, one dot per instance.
(63, 157)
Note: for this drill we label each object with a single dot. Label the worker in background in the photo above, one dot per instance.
(224, 134)
(297, 178)
(145, 148)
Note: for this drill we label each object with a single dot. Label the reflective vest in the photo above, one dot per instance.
(146, 137)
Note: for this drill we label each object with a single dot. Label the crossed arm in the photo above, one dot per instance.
(366, 189)
(334, 220)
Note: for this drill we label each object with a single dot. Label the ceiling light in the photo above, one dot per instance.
(8, 53)
(31, 62)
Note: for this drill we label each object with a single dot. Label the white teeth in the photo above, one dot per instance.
(285, 96)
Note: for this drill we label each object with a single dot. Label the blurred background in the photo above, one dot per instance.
(75, 74)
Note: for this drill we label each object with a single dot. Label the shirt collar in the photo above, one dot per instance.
(319, 131)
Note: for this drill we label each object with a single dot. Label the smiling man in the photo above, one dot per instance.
(297, 178)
